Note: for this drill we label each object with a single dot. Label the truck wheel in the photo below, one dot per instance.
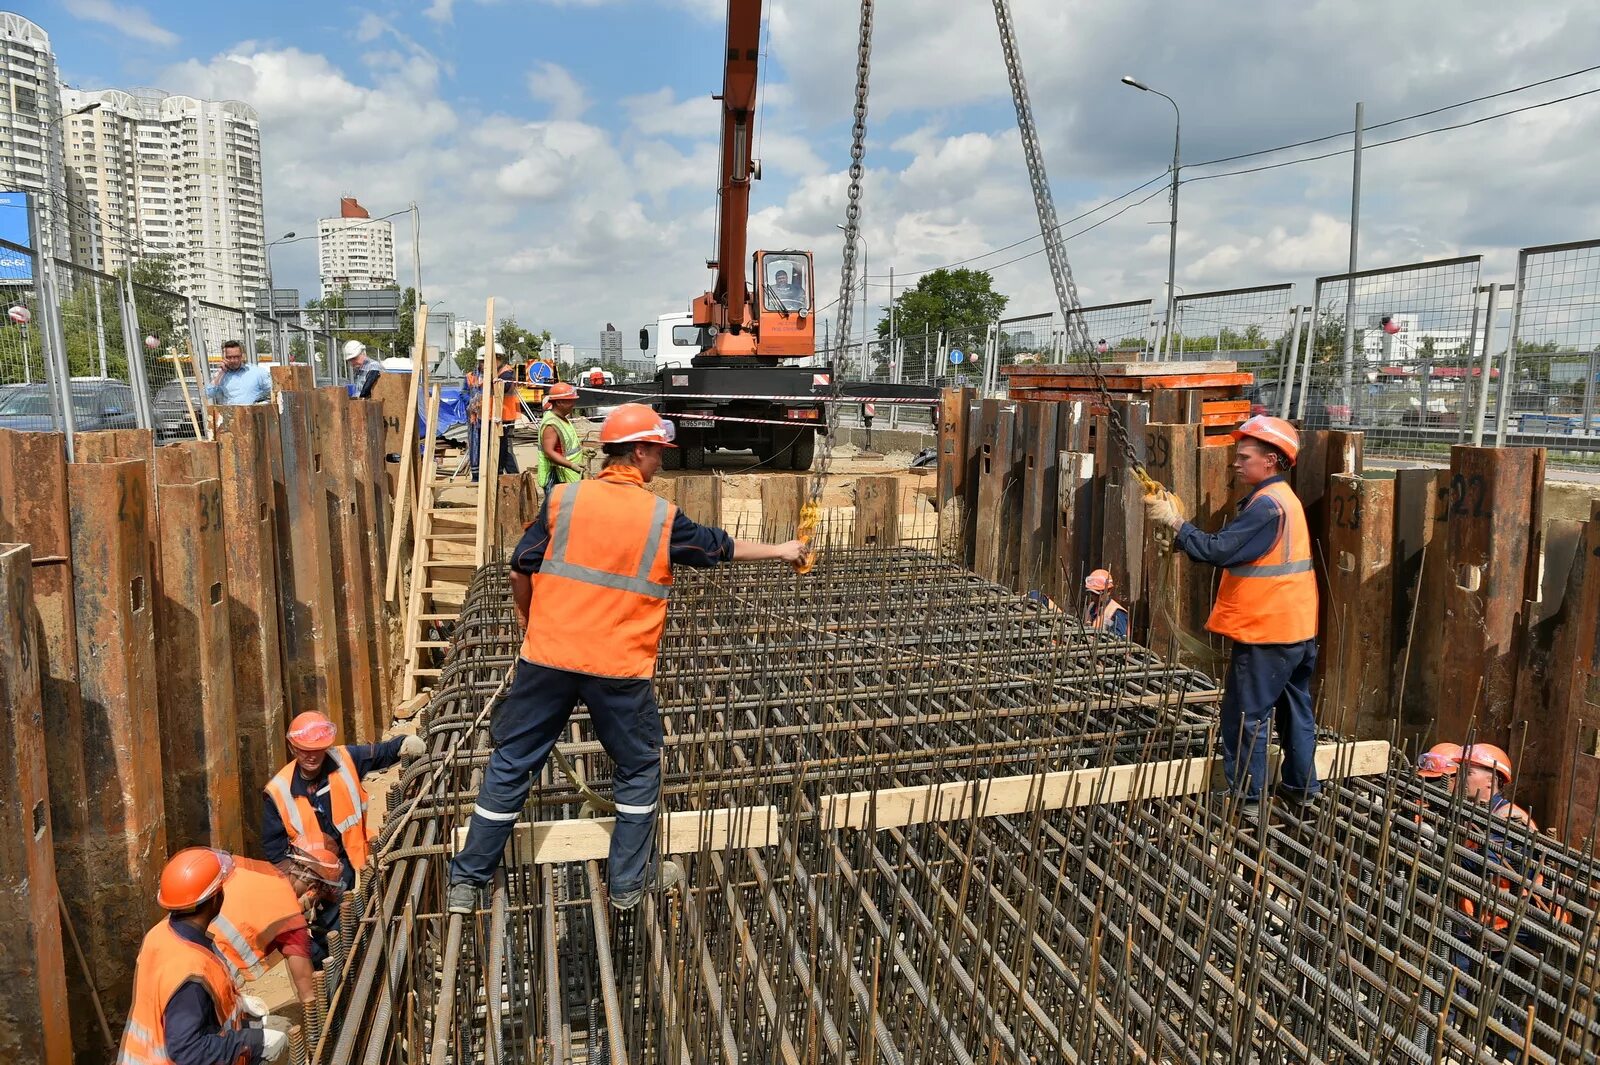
(671, 458)
(802, 449)
(694, 456)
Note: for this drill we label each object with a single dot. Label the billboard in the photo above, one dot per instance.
(14, 266)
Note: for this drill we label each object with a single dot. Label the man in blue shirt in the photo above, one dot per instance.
(235, 384)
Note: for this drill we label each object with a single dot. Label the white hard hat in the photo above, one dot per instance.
(354, 348)
(481, 351)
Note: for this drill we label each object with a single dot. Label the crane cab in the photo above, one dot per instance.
(785, 305)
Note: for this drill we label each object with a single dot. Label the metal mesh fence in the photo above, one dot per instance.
(1249, 326)
(1126, 328)
(1402, 374)
(21, 340)
(170, 373)
(1553, 354)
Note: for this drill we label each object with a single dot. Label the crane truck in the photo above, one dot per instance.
(741, 372)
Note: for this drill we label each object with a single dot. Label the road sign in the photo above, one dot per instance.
(956, 356)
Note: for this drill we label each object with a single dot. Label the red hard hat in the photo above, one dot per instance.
(1099, 581)
(561, 390)
(191, 877)
(318, 861)
(1440, 760)
(1269, 430)
(1488, 756)
(312, 731)
(635, 422)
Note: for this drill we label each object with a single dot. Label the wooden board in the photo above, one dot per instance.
(1003, 796)
(684, 832)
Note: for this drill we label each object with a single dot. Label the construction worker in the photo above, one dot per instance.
(364, 371)
(510, 408)
(560, 447)
(317, 800)
(1100, 611)
(1440, 763)
(186, 1009)
(1267, 605)
(262, 915)
(590, 580)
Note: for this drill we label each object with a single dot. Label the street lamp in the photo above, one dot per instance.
(846, 340)
(1172, 245)
(272, 298)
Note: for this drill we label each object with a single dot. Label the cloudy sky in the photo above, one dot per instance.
(563, 152)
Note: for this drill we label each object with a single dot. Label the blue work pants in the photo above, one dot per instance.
(1267, 679)
(506, 460)
(524, 729)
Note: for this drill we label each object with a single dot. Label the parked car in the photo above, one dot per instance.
(96, 404)
(171, 414)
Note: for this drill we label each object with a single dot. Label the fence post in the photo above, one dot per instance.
(133, 344)
(1486, 367)
(1508, 364)
(1588, 389)
(1287, 382)
(201, 363)
(57, 370)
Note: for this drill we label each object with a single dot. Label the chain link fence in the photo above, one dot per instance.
(21, 339)
(1553, 354)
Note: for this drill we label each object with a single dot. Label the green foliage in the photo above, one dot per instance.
(516, 343)
(467, 357)
(1251, 338)
(946, 301)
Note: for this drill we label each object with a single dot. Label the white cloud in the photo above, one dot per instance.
(133, 21)
(554, 85)
(440, 10)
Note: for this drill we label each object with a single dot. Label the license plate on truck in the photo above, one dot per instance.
(696, 423)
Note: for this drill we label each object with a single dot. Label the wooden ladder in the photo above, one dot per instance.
(443, 557)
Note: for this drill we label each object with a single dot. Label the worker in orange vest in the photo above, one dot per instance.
(1267, 605)
(1440, 762)
(318, 800)
(510, 409)
(263, 913)
(186, 1009)
(1100, 611)
(590, 580)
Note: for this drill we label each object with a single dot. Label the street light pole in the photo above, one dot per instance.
(272, 297)
(1172, 244)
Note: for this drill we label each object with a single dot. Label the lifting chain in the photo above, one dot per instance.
(811, 512)
(1078, 339)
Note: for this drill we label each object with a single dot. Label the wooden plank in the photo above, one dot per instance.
(199, 733)
(682, 832)
(1074, 523)
(415, 595)
(877, 512)
(248, 513)
(488, 433)
(1493, 568)
(781, 498)
(1171, 450)
(33, 1012)
(700, 498)
(1358, 697)
(1041, 465)
(962, 800)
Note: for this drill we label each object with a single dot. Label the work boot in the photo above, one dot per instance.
(665, 876)
(462, 898)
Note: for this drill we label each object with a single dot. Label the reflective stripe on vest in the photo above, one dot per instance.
(249, 962)
(1271, 599)
(345, 767)
(556, 565)
(344, 787)
(166, 963)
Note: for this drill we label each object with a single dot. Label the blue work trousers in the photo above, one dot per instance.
(507, 459)
(1264, 678)
(524, 729)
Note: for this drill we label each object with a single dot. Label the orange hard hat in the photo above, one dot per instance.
(561, 390)
(312, 731)
(191, 877)
(1488, 756)
(1269, 430)
(1440, 760)
(318, 861)
(635, 422)
(1099, 581)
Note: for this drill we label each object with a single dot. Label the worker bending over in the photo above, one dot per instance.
(262, 915)
(186, 1009)
(318, 801)
(590, 579)
(1267, 605)
(1100, 611)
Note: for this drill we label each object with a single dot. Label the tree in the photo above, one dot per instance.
(516, 343)
(952, 302)
(467, 357)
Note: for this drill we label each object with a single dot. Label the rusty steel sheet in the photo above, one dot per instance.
(305, 568)
(1040, 470)
(953, 407)
(1213, 506)
(112, 445)
(781, 497)
(389, 397)
(347, 558)
(293, 378)
(33, 1011)
(1169, 592)
(366, 427)
(186, 461)
(510, 512)
(700, 498)
(199, 730)
(250, 541)
(994, 552)
(877, 520)
(1359, 644)
(1493, 516)
(1122, 536)
(1074, 517)
(114, 860)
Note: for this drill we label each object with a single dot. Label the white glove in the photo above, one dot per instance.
(1163, 510)
(273, 1044)
(413, 747)
(254, 1006)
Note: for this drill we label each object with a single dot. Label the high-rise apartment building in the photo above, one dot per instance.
(611, 345)
(355, 250)
(30, 126)
(168, 175)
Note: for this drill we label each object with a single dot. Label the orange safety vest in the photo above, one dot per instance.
(1106, 614)
(510, 403)
(347, 799)
(258, 906)
(600, 596)
(1274, 598)
(166, 962)
(1510, 811)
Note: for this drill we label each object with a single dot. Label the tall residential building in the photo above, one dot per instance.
(355, 250)
(611, 345)
(462, 330)
(169, 175)
(30, 126)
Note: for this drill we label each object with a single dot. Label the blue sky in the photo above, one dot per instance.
(562, 153)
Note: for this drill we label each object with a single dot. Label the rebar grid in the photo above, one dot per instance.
(1162, 930)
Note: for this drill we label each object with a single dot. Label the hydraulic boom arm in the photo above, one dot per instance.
(725, 305)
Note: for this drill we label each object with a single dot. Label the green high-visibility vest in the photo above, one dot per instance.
(571, 444)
